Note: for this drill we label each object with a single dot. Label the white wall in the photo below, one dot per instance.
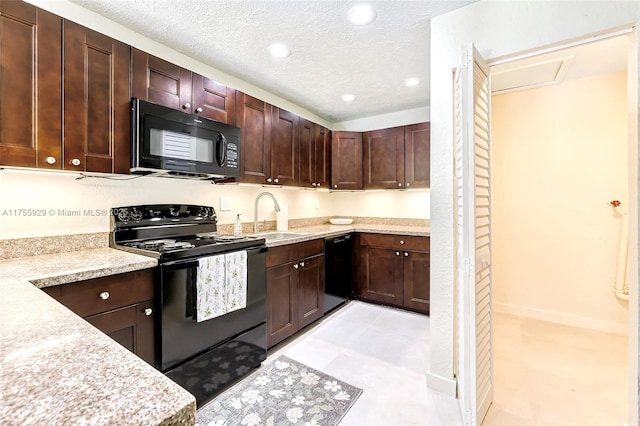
(559, 155)
(499, 29)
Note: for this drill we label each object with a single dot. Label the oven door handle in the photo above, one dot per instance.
(193, 263)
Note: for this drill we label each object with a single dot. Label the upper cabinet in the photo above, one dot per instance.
(63, 109)
(30, 86)
(346, 160)
(254, 120)
(315, 149)
(383, 158)
(417, 157)
(96, 101)
(161, 82)
(284, 148)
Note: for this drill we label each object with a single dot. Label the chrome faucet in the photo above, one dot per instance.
(255, 210)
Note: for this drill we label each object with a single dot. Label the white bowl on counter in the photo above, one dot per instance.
(341, 221)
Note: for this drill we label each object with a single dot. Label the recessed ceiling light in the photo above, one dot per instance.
(348, 98)
(413, 81)
(361, 14)
(279, 50)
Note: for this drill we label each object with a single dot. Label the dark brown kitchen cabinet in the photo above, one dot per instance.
(30, 86)
(346, 160)
(161, 82)
(96, 102)
(284, 148)
(315, 151)
(417, 157)
(383, 158)
(295, 288)
(120, 305)
(394, 270)
(254, 120)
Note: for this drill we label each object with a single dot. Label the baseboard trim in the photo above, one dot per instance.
(441, 384)
(561, 318)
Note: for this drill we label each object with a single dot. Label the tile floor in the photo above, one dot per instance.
(552, 374)
(545, 373)
(385, 352)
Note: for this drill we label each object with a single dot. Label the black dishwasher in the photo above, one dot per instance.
(337, 271)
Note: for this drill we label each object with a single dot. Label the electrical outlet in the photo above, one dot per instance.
(225, 204)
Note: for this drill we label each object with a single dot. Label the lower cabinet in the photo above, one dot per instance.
(394, 270)
(295, 288)
(120, 305)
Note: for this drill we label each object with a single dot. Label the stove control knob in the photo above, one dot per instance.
(173, 212)
(123, 215)
(136, 214)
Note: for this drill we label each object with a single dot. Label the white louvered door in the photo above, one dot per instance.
(472, 100)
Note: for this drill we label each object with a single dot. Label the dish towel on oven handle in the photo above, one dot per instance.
(221, 285)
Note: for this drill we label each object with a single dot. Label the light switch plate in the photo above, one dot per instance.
(225, 204)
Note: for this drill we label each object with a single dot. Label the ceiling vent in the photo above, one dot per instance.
(530, 76)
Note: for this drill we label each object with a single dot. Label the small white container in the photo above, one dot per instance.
(341, 221)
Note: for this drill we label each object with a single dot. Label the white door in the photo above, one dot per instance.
(473, 235)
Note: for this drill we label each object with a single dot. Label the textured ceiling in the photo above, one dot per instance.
(330, 56)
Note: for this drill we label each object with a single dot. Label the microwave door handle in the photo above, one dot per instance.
(221, 149)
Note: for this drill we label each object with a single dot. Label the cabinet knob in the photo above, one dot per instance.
(408, 184)
(399, 185)
(406, 254)
(302, 264)
(104, 295)
(335, 186)
(148, 311)
(199, 109)
(275, 180)
(313, 184)
(269, 180)
(50, 160)
(401, 242)
(397, 253)
(295, 266)
(186, 106)
(75, 162)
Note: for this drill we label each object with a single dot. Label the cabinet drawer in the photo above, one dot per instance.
(290, 252)
(395, 241)
(103, 294)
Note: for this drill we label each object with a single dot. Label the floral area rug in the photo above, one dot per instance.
(284, 392)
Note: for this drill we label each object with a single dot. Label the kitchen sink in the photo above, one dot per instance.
(279, 235)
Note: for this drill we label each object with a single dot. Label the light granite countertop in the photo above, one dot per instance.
(56, 368)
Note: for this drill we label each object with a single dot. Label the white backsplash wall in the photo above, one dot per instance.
(38, 203)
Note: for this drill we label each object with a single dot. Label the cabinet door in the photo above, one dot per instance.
(383, 158)
(307, 153)
(130, 327)
(416, 280)
(346, 160)
(310, 290)
(281, 303)
(322, 156)
(30, 86)
(417, 157)
(284, 147)
(381, 275)
(161, 82)
(96, 101)
(213, 100)
(254, 119)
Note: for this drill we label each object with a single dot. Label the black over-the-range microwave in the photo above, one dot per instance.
(174, 143)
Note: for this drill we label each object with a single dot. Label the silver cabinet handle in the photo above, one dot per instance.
(50, 160)
(199, 109)
(399, 184)
(269, 180)
(397, 253)
(302, 264)
(275, 180)
(401, 242)
(148, 311)
(313, 184)
(406, 254)
(295, 266)
(335, 186)
(186, 106)
(104, 295)
(75, 162)
(408, 184)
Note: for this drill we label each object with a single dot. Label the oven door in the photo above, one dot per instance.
(182, 338)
